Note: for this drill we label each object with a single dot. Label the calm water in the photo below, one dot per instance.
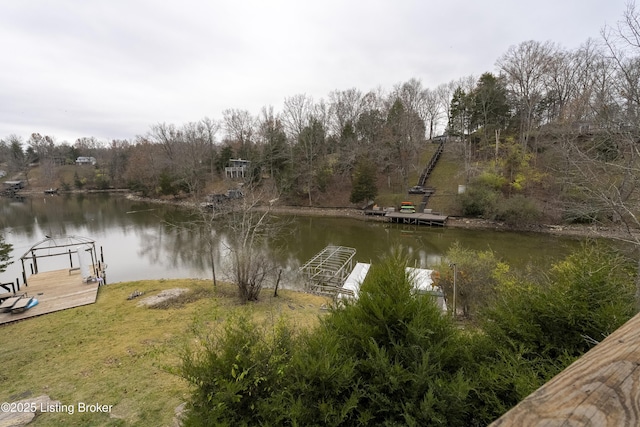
(139, 242)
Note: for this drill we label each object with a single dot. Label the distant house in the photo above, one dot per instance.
(12, 186)
(86, 161)
(237, 168)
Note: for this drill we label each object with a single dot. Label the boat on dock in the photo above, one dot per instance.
(407, 208)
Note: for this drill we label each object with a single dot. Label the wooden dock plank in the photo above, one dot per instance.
(55, 290)
(602, 388)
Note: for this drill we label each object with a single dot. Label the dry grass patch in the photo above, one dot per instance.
(116, 353)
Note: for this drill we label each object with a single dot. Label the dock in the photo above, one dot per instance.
(55, 290)
(430, 219)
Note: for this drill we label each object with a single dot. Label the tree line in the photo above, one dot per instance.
(541, 99)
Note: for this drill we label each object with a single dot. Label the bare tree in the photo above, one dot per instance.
(345, 107)
(311, 141)
(560, 84)
(195, 157)
(168, 137)
(526, 66)
(444, 93)
(239, 126)
(250, 232)
(432, 110)
(117, 158)
(145, 164)
(273, 143)
(603, 170)
(18, 158)
(592, 82)
(296, 114)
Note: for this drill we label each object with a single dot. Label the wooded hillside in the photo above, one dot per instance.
(549, 135)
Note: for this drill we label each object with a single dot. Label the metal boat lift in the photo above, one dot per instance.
(65, 246)
(326, 272)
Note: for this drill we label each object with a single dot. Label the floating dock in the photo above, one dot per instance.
(55, 290)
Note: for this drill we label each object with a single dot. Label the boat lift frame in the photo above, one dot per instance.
(326, 272)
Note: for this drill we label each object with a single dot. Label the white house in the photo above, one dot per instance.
(86, 161)
(237, 168)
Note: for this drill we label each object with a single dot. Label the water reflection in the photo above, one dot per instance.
(152, 241)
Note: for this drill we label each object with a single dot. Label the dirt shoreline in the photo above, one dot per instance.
(595, 231)
(572, 230)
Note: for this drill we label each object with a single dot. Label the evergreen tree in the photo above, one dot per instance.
(223, 158)
(391, 358)
(5, 250)
(364, 181)
(490, 110)
(460, 119)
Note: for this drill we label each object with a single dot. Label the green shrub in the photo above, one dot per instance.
(78, 181)
(166, 185)
(392, 358)
(533, 331)
(475, 278)
(101, 181)
(235, 371)
(479, 201)
(405, 359)
(517, 210)
(586, 297)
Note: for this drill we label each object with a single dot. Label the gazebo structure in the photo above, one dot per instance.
(327, 270)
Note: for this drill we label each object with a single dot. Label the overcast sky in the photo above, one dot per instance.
(112, 68)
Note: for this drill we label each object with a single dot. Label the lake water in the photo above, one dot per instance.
(139, 242)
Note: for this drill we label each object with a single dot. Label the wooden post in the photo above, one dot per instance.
(275, 291)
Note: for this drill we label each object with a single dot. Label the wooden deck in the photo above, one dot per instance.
(602, 388)
(55, 290)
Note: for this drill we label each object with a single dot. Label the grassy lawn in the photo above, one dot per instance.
(116, 353)
(445, 177)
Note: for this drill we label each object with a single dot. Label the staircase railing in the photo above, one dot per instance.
(432, 164)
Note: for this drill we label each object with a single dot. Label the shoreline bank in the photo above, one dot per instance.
(574, 230)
